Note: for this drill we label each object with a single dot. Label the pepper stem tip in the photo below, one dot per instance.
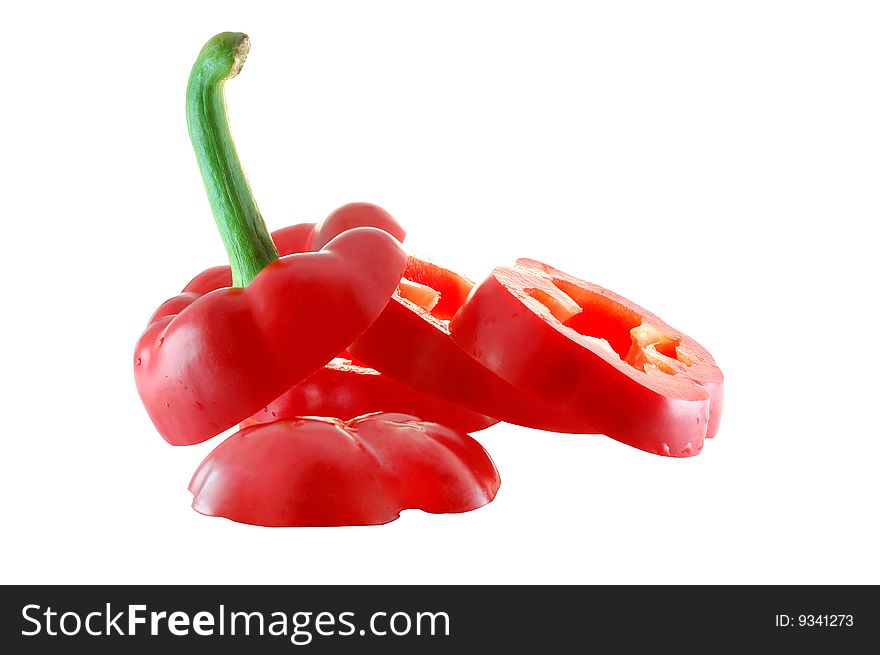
(240, 55)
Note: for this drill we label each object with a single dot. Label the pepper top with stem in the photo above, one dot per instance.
(207, 361)
(248, 243)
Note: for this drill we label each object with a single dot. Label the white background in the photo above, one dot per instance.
(716, 163)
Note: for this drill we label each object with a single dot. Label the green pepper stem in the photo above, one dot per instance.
(248, 243)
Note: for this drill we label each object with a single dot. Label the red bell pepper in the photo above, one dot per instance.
(595, 355)
(347, 390)
(344, 390)
(208, 362)
(322, 472)
(410, 343)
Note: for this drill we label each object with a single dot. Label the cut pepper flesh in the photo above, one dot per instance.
(345, 390)
(595, 355)
(412, 345)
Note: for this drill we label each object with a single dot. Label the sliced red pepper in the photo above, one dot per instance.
(348, 390)
(208, 362)
(344, 390)
(595, 355)
(410, 342)
(323, 472)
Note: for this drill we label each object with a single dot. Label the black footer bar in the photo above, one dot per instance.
(429, 619)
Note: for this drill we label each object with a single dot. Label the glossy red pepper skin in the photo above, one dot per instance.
(308, 237)
(207, 362)
(595, 355)
(412, 345)
(326, 472)
(345, 391)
